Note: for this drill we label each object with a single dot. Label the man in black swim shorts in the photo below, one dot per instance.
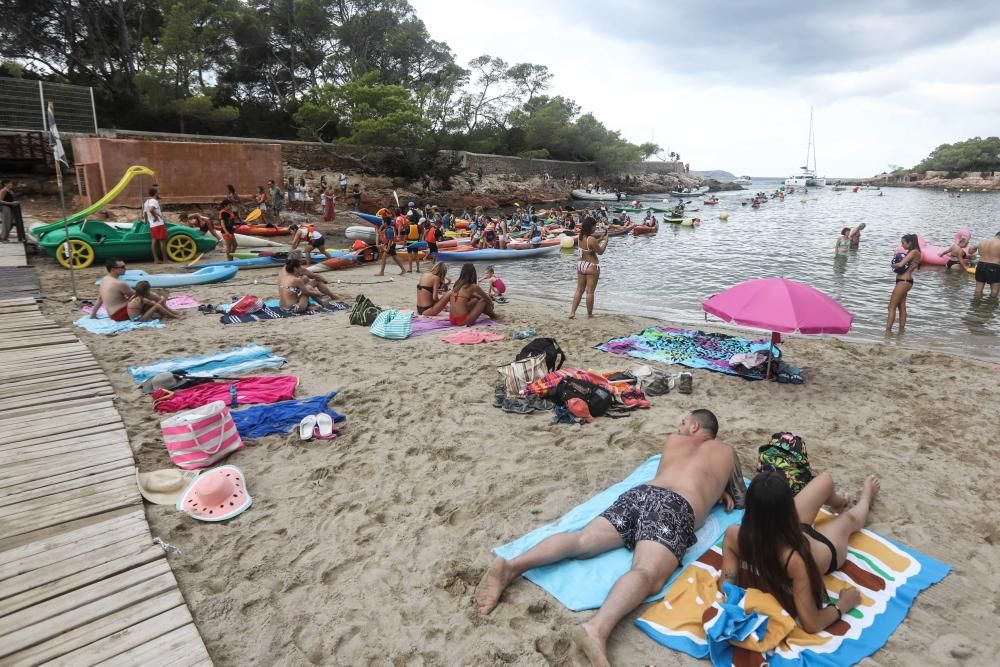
(988, 268)
(656, 521)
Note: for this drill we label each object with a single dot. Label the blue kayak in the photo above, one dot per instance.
(212, 274)
(494, 254)
(261, 262)
(368, 217)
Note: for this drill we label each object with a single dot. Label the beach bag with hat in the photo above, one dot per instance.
(393, 324)
(364, 311)
(198, 438)
(786, 453)
(246, 305)
(519, 374)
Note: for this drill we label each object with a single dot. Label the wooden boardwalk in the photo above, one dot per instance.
(12, 254)
(81, 581)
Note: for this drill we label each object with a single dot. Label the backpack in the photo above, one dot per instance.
(364, 312)
(547, 347)
(598, 399)
(786, 453)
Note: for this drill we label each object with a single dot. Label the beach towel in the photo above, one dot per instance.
(426, 324)
(275, 313)
(230, 362)
(261, 420)
(546, 384)
(179, 302)
(888, 575)
(584, 584)
(472, 337)
(691, 348)
(108, 327)
(267, 389)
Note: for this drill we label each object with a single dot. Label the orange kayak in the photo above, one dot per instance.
(644, 229)
(262, 230)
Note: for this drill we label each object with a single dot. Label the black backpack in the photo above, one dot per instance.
(598, 399)
(546, 346)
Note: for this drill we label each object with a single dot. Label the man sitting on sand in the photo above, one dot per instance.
(656, 521)
(113, 293)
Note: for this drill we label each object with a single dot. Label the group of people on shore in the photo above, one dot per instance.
(777, 548)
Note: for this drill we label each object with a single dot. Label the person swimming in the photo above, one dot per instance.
(843, 242)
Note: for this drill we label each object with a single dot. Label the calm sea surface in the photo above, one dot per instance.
(669, 274)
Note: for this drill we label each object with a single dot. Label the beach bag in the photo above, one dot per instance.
(786, 453)
(364, 312)
(198, 438)
(548, 348)
(598, 399)
(519, 374)
(246, 305)
(392, 324)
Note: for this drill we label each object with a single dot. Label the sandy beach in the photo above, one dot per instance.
(367, 549)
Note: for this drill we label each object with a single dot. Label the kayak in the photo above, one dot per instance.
(678, 221)
(710, 202)
(261, 230)
(597, 196)
(211, 274)
(361, 233)
(262, 261)
(619, 230)
(644, 229)
(699, 191)
(493, 255)
(368, 217)
(546, 243)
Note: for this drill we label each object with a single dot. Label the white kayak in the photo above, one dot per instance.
(364, 233)
(593, 195)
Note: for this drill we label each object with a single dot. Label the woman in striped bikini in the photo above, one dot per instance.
(588, 270)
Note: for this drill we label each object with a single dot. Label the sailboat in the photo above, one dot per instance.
(808, 177)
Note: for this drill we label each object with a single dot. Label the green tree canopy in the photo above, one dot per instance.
(974, 154)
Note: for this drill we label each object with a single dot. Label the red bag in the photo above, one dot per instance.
(246, 305)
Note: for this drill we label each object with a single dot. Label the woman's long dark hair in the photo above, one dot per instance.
(771, 526)
(466, 277)
(587, 226)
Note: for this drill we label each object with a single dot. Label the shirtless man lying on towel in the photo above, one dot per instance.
(656, 521)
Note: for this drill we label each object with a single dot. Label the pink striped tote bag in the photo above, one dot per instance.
(198, 438)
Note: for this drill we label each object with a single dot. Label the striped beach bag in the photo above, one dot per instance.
(393, 324)
(198, 438)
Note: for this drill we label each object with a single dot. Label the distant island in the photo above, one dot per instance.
(716, 174)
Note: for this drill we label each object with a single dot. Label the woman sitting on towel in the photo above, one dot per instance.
(468, 300)
(777, 550)
(432, 290)
(144, 305)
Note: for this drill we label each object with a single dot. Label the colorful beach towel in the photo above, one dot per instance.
(261, 420)
(888, 575)
(179, 302)
(264, 389)
(230, 362)
(584, 584)
(472, 337)
(546, 384)
(688, 347)
(108, 327)
(426, 324)
(275, 313)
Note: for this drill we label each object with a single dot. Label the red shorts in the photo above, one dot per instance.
(228, 236)
(120, 315)
(159, 232)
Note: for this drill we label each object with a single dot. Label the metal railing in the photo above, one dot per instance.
(23, 103)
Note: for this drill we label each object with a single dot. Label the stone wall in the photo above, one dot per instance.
(660, 168)
(506, 164)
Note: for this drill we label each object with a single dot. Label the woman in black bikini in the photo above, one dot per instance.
(903, 267)
(777, 550)
(588, 270)
(432, 291)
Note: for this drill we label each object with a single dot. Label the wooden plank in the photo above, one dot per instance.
(72, 365)
(113, 614)
(53, 397)
(84, 605)
(60, 439)
(9, 486)
(133, 637)
(40, 586)
(7, 303)
(182, 647)
(15, 549)
(97, 415)
(69, 407)
(14, 387)
(44, 464)
(68, 510)
(55, 487)
(79, 496)
(44, 340)
(96, 437)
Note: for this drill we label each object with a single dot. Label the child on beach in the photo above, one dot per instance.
(497, 286)
(144, 306)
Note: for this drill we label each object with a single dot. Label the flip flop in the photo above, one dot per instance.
(306, 427)
(517, 405)
(317, 436)
(324, 424)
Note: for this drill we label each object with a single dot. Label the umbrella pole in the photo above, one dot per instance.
(770, 356)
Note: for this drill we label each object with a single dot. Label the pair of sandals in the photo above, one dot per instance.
(521, 405)
(662, 384)
(319, 427)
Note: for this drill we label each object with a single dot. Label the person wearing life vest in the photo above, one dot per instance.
(414, 235)
(490, 234)
(432, 236)
(314, 240)
(386, 241)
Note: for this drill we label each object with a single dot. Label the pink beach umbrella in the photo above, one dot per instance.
(779, 304)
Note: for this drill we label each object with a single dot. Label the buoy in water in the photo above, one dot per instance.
(566, 242)
(723, 216)
(803, 200)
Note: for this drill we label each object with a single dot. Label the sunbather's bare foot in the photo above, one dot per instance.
(593, 648)
(872, 486)
(492, 585)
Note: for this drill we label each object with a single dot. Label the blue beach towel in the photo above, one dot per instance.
(261, 420)
(236, 360)
(107, 326)
(688, 347)
(584, 584)
(275, 313)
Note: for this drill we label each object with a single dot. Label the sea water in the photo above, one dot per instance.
(668, 275)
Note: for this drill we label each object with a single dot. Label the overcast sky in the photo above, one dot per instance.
(729, 84)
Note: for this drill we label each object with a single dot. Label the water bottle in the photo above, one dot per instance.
(232, 396)
(524, 333)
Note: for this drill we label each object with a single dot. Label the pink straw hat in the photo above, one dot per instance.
(217, 495)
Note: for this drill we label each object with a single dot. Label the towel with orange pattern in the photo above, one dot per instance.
(888, 575)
